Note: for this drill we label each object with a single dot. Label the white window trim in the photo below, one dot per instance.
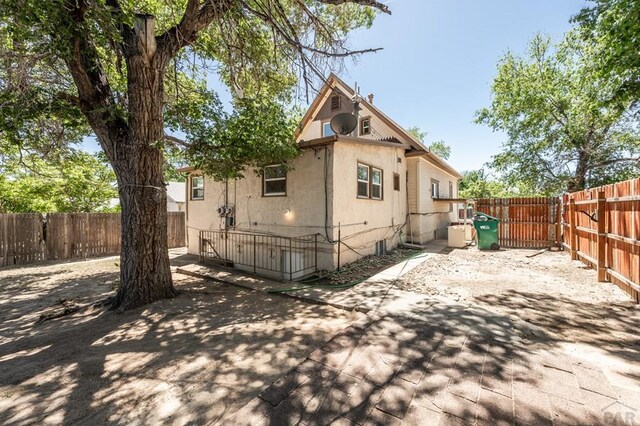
(362, 121)
(435, 194)
(196, 187)
(376, 184)
(329, 124)
(265, 180)
(367, 181)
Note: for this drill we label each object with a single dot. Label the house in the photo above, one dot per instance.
(176, 197)
(345, 196)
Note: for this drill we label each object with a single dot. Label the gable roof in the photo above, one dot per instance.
(177, 191)
(335, 82)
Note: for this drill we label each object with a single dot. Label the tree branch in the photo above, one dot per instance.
(177, 141)
(371, 3)
(196, 18)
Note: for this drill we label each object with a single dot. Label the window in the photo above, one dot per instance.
(396, 182)
(363, 181)
(435, 189)
(369, 182)
(327, 130)
(197, 187)
(376, 184)
(274, 180)
(335, 102)
(365, 126)
(450, 195)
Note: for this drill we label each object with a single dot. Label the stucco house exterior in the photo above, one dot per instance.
(345, 196)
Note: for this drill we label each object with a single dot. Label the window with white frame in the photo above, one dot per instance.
(197, 187)
(274, 180)
(327, 130)
(369, 182)
(363, 181)
(435, 189)
(376, 183)
(365, 126)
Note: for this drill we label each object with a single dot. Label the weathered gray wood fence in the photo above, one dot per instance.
(33, 237)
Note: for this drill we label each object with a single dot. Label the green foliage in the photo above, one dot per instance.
(611, 30)
(74, 182)
(564, 132)
(479, 184)
(258, 132)
(259, 49)
(440, 148)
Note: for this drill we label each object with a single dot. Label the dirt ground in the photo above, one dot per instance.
(193, 359)
(596, 320)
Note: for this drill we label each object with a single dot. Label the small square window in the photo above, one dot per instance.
(365, 126)
(369, 182)
(274, 179)
(327, 130)
(197, 187)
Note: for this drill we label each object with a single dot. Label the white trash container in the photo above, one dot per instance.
(457, 236)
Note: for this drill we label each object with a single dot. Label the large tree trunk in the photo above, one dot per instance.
(579, 181)
(145, 274)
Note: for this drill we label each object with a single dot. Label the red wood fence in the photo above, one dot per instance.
(32, 237)
(602, 229)
(526, 222)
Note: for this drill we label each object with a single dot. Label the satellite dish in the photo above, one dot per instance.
(343, 123)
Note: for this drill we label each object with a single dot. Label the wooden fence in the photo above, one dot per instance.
(32, 237)
(602, 229)
(526, 222)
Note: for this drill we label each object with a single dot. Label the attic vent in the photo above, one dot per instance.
(335, 102)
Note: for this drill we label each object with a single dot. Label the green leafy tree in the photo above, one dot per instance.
(479, 184)
(74, 182)
(563, 130)
(440, 148)
(611, 30)
(115, 68)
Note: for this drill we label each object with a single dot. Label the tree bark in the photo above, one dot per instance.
(579, 181)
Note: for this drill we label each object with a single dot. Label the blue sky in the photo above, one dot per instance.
(438, 61)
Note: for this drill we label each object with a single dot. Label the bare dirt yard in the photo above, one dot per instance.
(594, 320)
(193, 359)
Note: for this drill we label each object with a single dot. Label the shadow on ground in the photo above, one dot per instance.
(192, 359)
(445, 364)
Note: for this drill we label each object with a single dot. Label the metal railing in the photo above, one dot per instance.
(263, 254)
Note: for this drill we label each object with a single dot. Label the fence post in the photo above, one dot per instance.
(573, 240)
(559, 206)
(602, 237)
(255, 261)
(290, 261)
(339, 242)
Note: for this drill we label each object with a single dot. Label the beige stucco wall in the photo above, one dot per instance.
(300, 212)
(384, 218)
(429, 218)
(305, 201)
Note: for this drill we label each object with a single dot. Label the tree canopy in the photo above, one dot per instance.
(611, 31)
(124, 70)
(440, 148)
(71, 182)
(564, 129)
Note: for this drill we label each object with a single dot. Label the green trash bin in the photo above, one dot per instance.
(487, 231)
